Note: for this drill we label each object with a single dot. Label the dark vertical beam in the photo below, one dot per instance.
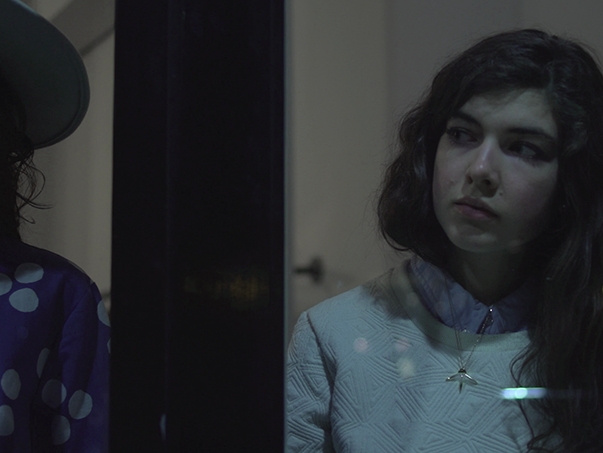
(139, 257)
(225, 338)
(210, 196)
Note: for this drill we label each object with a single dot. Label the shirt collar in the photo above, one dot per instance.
(438, 290)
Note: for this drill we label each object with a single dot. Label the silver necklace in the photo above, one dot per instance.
(462, 376)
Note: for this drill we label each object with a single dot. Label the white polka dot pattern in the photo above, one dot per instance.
(11, 384)
(29, 273)
(7, 421)
(60, 430)
(80, 405)
(42, 361)
(54, 393)
(102, 313)
(24, 300)
(5, 284)
(47, 307)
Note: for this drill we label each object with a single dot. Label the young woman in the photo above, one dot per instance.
(54, 334)
(488, 337)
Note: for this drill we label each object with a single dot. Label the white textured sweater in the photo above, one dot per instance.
(367, 373)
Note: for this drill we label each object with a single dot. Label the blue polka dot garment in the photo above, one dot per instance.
(54, 355)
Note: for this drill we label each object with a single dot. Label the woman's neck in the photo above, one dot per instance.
(488, 277)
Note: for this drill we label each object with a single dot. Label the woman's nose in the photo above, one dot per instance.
(483, 170)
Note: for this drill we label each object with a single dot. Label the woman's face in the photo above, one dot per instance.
(495, 171)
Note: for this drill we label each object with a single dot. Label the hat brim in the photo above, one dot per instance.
(45, 71)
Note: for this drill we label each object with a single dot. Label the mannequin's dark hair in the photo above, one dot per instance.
(566, 349)
(17, 172)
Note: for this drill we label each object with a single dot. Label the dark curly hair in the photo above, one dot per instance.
(566, 348)
(18, 175)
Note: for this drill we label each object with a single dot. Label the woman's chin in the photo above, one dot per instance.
(486, 245)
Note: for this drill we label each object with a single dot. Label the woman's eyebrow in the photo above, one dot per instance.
(523, 130)
(533, 131)
(464, 116)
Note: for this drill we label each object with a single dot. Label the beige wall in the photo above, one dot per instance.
(48, 8)
(580, 19)
(337, 127)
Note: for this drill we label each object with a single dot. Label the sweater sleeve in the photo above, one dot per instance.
(72, 414)
(309, 390)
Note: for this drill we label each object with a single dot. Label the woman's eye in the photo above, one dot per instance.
(459, 135)
(527, 150)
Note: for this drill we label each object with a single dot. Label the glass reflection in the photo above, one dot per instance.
(368, 368)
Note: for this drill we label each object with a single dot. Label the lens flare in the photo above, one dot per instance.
(522, 393)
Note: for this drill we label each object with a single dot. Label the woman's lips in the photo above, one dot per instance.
(474, 209)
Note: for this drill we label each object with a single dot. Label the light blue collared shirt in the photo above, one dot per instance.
(438, 290)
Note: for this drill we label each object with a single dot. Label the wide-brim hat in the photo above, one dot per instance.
(45, 71)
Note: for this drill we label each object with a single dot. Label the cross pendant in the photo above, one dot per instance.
(461, 377)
